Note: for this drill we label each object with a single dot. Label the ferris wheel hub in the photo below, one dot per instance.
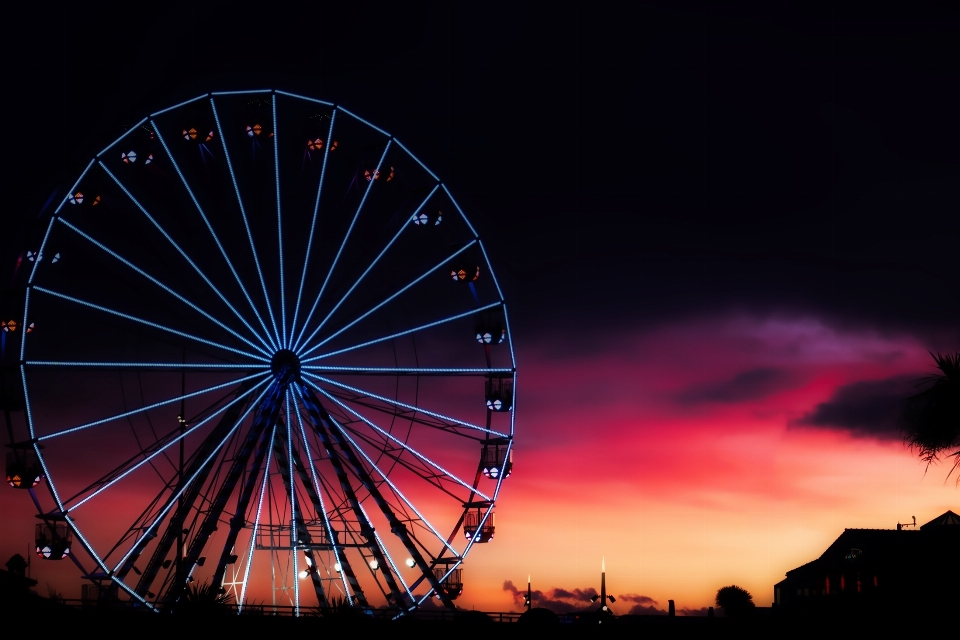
(285, 358)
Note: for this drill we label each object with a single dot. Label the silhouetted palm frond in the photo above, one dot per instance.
(203, 599)
(930, 420)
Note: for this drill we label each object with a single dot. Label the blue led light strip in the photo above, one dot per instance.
(353, 115)
(175, 246)
(393, 565)
(417, 159)
(147, 323)
(294, 95)
(239, 93)
(179, 104)
(403, 445)
(336, 258)
(256, 522)
(216, 239)
(70, 193)
(490, 269)
(246, 223)
(24, 325)
(140, 365)
(316, 487)
(168, 289)
(403, 405)
(425, 274)
(506, 323)
(169, 444)
(125, 134)
(313, 224)
(402, 333)
(369, 268)
(410, 370)
(132, 412)
(283, 293)
(50, 482)
(175, 497)
(462, 214)
(293, 509)
(43, 245)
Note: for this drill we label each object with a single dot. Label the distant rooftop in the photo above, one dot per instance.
(948, 518)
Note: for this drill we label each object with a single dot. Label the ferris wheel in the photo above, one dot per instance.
(268, 352)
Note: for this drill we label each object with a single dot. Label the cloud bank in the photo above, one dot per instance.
(868, 408)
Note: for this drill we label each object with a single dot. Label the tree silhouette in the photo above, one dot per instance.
(17, 565)
(734, 601)
(930, 420)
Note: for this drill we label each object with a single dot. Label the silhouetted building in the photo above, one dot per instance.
(14, 583)
(880, 572)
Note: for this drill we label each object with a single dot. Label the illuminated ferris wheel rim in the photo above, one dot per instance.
(286, 350)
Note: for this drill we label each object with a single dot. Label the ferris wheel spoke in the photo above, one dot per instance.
(155, 405)
(393, 487)
(411, 416)
(369, 268)
(393, 565)
(405, 371)
(422, 327)
(439, 416)
(246, 224)
(287, 460)
(347, 447)
(148, 454)
(176, 246)
(176, 366)
(343, 243)
(403, 445)
(315, 495)
(148, 323)
(250, 475)
(176, 295)
(313, 225)
(296, 519)
(325, 429)
(396, 455)
(254, 444)
(283, 290)
(256, 523)
(216, 238)
(195, 475)
(387, 300)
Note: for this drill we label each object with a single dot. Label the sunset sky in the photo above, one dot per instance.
(727, 233)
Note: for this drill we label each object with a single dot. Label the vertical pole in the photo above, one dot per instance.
(182, 419)
(272, 551)
(603, 584)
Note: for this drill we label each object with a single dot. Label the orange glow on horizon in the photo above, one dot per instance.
(685, 496)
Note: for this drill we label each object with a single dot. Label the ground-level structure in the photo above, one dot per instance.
(902, 570)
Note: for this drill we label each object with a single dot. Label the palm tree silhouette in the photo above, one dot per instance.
(930, 421)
